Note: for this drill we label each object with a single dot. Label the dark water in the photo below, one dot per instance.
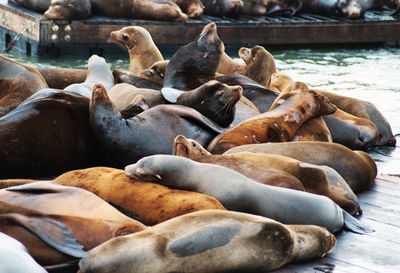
(371, 74)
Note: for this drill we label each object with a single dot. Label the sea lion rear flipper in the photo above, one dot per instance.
(353, 224)
(52, 232)
(38, 187)
(171, 94)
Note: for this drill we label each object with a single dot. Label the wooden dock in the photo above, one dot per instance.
(41, 35)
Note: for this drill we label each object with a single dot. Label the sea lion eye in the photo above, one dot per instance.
(327, 99)
(125, 37)
(193, 144)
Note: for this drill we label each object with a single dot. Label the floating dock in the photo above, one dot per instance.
(41, 36)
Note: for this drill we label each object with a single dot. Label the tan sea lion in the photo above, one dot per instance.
(143, 53)
(356, 167)
(281, 82)
(17, 82)
(229, 66)
(193, 8)
(277, 125)
(59, 78)
(315, 179)
(219, 241)
(239, 193)
(189, 148)
(260, 64)
(155, 72)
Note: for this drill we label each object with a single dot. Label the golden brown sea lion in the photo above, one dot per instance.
(280, 82)
(315, 179)
(156, 72)
(17, 82)
(279, 124)
(59, 78)
(356, 167)
(193, 8)
(219, 241)
(229, 66)
(143, 53)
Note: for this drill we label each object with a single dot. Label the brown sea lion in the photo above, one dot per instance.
(59, 78)
(260, 64)
(35, 5)
(193, 64)
(281, 82)
(121, 76)
(156, 72)
(17, 82)
(256, 7)
(239, 193)
(193, 8)
(142, 51)
(356, 167)
(222, 7)
(229, 66)
(260, 96)
(214, 239)
(189, 148)
(366, 110)
(315, 179)
(150, 202)
(277, 125)
(151, 132)
(145, 9)
(50, 135)
(285, 8)
(350, 9)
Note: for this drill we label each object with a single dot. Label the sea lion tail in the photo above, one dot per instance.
(354, 225)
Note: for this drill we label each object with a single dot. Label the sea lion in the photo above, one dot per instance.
(155, 72)
(121, 76)
(239, 193)
(142, 51)
(145, 9)
(315, 179)
(350, 9)
(98, 72)
(193, 8)
(366, 110)
(260, 64)
(35, 5)
(285, 8)
(277, 125)
(189, 148)
(59, 78)
(152, 203)
(260, 96)
(243, 242)
(14, 257)
(50, 135)
(222, 7)
(17, 82)
(193, 64)
(256, 7)
(356, 167)
(229, 66)
(281, 82)
(151, 132)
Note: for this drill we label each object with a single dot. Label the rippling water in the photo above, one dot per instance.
(371, 74)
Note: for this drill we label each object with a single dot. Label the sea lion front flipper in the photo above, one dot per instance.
(354, 225)
(171, 94)
(137, 106)
(52, 232)
(38, 187)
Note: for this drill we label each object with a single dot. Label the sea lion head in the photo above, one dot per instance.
(156, 72)
(195, 9)
(146, 169)
(97, 66)
(325, 107)
(136, 39)
(187, 147)
(350, 9)
(68, 9)
(214, 100)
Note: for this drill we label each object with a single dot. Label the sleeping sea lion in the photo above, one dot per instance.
(17, 82)
(142, 51)
(315, 179)
(193, 8)
(229, 66)
(239, 193)
(59, 78)
(155, 72)
(277, 125)
(121, 76)
(356, 167)
(151, 132)
(350, 9)
(219, 241)
(222, 7)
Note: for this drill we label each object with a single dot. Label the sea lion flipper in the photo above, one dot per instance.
(199, 118)
(353, 224)
(37, 187)
(137, 106)
(52, 232)
(171, 94)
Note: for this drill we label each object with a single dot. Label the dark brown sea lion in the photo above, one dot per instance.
(151, 132)
(145, 9)
(256, 7)
(260, 96)
(59, 78)
(142, 51)
(50, 135)
(214, 239)
(189, 148)
(315, 179)
(277, 125)
(350, 9)
(193, 64)
(260, 64)
(239, 193)
(222, 7)
(35, 5)
(193, 8)
(98, 72)
(121, 76)
(356, 167)
(285, 8)
(17, 82)
(156, 72)
(150, 202)
(366, 110)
